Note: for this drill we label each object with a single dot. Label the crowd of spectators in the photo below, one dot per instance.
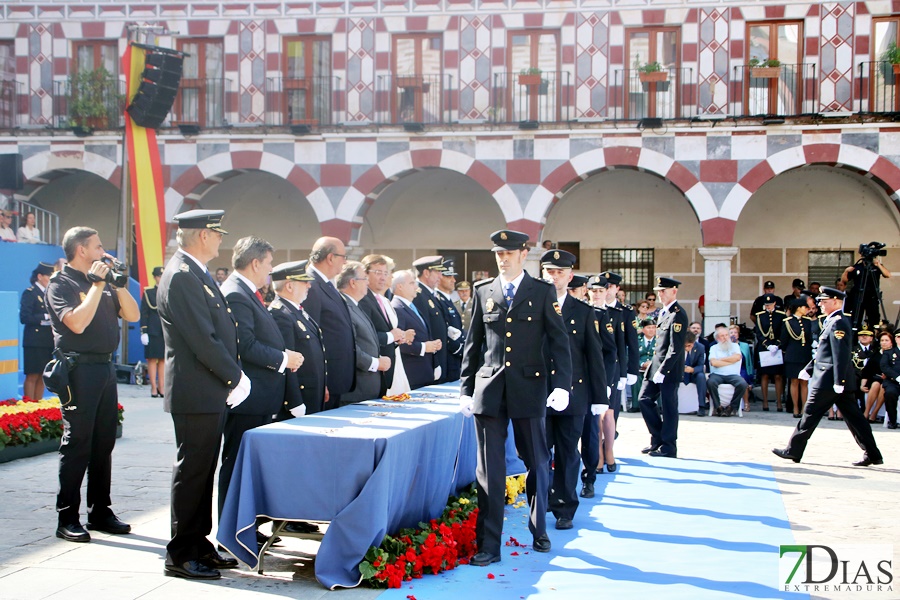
(27, 232)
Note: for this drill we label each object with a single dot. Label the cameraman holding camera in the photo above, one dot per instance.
(865, 275)
(85, 301)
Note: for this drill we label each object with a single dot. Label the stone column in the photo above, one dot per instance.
(717, 285)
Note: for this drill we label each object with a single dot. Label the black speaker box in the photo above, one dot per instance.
(11, 176)
(158, 88)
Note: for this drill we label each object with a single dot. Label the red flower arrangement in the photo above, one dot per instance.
(434, 547)
(25, 421)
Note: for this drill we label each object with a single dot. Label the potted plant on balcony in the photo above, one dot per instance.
(652, 72)
(409, 81)
(891, 56)
(93, 97)
(769, 68)
(530, 77)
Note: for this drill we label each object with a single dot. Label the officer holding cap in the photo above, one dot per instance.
(665, 373)
(37, 336)
(827, 374)
(203, 376)
(429, 270)
(505, 376)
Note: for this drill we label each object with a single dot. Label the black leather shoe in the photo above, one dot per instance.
(483, 559)
(261, 539)
(73, 532)
(111, 525)
(564, 523)
(542, 544)
(650, 448)
(866, 461)
(612, 468)
(662, 454)
(214, 560)
(587, 490)
(785, 455)
(892, 426)
(702, 412)
(301, 527)
(192, 569)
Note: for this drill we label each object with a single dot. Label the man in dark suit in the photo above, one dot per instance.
(418, 355)
(828, 373)
(353, 285)
(694, 370)
(305, 386)
(505, 376)
(37, 336)
(203, 375)
(665, 373)
(328, 309)
(378, 269)
(588, 394)
(429, 269)
(261, 347)
(456, 336)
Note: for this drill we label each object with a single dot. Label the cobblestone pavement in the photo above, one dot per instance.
(828, 501)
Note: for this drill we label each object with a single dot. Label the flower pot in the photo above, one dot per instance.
(408, 82)
(765, 72)
(529, 79)
(28, 450)
(896, 69)
(118, 431)
(653, 77)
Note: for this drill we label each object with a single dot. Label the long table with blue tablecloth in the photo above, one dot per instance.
(369, 469)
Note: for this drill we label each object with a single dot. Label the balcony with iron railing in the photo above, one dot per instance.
(878, 87)
(668, 94)
(100, 108)
(208, 102)
(9, 99)
(532, 97)
(413, 100)
(786, 90)
(311, 101)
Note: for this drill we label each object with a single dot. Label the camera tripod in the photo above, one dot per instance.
(864, 283)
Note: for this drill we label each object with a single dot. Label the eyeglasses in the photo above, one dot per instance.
(340, 255)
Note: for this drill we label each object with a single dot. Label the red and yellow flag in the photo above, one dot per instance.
(145, 174)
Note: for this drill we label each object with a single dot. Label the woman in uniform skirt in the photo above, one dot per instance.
(890, 367)
(152, 338)
(796, 346)
(37, 336)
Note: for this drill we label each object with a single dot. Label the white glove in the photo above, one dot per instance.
(240, 393)
(453, 333)
(838, 389)
(897, 379)
(558, 399)
(437, 372)
(299, 411)
(773, 350)
(47, 322)
(659, 377)
(621, 385)
(46, 316)
(599, 409)
(145, 339)
(608, 391)
(803, 375)
(631, 379)
(466, 406)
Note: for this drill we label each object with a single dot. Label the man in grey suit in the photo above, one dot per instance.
(354, 285)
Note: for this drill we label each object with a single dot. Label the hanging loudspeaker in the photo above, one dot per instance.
(11, 177)
(158, 88)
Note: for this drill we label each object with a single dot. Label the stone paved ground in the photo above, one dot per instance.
(828, 501)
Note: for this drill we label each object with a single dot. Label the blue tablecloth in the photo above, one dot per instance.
(370, 469)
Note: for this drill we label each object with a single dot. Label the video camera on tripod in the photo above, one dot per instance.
(865, 297)
(871, 250)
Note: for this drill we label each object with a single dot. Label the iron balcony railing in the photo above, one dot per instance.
(9, 99)
(788, 90)
(69, 111)
(413, 99)
(206, 102)
(46, 222)
(545, 97)
(668, 94)
(302, 100)
(877, 87)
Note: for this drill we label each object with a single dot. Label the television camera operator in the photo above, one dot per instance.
(863, 298)
(85, 301)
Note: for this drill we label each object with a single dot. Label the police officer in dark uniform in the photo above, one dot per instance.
(665, 373)
(152, 338)
(768, 338)
(300, 333)
(828, 374)
(37, 337)
(456, 337)
(864, 351)
(84, 312)
(629, 318)
(203, 376)
(429, 269)
(504, 376)
(588, 394)
(797, 336)
(768, 288)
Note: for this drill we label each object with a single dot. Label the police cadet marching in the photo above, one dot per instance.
(588, 387)
(84, 310)
(632, 363)
(828, 373)
(665, 373)
(37, 338)
(504, 376)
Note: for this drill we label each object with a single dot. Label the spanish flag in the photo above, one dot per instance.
(145, 175)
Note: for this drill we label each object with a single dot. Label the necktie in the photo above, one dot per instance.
(416, 310)
(260, 297)
(383, 309)
(510, 292)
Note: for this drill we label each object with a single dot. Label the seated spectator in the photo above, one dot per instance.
(697, 329)
(653, 312)
(6, 232)
(747, 372)
(725, 360)
(29, 233)
(694, 366)
(643, 311)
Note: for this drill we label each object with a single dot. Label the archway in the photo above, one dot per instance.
(80, 198)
